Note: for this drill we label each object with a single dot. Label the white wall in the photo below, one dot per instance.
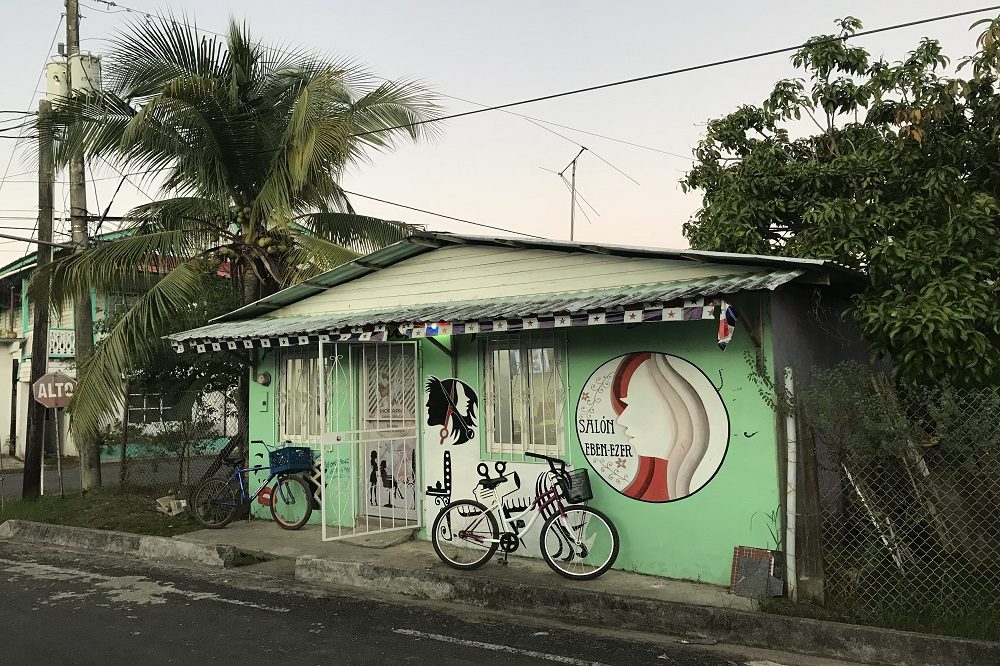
(459, 273)
(64, 366)
(8, 353)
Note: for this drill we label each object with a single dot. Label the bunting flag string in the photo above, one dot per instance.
(696, 309)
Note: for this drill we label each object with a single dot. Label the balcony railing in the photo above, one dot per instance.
(62, 342)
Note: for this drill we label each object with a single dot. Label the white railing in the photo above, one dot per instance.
(62, 342)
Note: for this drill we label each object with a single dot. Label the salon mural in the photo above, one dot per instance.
(653, 426)
(451, 404)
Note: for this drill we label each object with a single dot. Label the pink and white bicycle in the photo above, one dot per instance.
(576, 541)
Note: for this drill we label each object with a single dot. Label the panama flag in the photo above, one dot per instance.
(727, 324)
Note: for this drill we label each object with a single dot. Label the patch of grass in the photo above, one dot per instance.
(103, 509)
(982, 623)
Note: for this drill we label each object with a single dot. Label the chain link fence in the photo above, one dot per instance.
(169, 442)
(909, 503)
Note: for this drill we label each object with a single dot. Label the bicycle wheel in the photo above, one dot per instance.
(465, 535)
(216, 502)
(581, 548)
(291, 502)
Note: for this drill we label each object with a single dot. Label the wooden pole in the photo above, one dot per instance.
(55, 411)
(35, 442)
(83, 317)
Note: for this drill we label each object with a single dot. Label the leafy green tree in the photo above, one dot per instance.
(888, 167)
(250, 143)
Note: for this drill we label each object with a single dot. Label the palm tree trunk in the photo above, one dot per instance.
(248, 291)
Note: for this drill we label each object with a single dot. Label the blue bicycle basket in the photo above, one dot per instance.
(290, 459)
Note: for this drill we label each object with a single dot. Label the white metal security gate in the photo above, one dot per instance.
(369, 471)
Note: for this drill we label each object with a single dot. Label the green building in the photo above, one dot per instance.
(425, 367)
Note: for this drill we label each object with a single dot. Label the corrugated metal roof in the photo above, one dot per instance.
(486, 309)
(429, 241)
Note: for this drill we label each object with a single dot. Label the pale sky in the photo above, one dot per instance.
(486, 168)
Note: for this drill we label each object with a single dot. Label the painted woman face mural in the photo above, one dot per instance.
(653, 426)
(452, 404)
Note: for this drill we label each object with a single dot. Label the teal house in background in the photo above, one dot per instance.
(420, 369)
(16, 320)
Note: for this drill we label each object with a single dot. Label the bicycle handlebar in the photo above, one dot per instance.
(552, 461)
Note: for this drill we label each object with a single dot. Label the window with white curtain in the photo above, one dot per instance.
(299, 397)
(524, 394)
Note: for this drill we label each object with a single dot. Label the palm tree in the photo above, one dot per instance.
(250, 143)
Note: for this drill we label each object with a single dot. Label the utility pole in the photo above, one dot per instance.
(83, 320)
(35, 445)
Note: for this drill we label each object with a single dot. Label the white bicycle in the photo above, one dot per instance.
(576, 541)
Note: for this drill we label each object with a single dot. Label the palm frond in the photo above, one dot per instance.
(130, 344)
(394, 104)
(145, 55)
(362, 233)
(111, 267)
(312, 256)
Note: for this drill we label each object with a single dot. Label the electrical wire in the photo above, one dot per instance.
(3, 179)
(540, 122)
(536, 121)
(684, 70)
(447, 217)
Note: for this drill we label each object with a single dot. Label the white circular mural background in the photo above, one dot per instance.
(653, 426)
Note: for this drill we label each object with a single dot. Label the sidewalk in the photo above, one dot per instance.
(10, 464)
(396, 550)
(394, 563)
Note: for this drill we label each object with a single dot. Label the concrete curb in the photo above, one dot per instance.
(119, 543)
(608, 611)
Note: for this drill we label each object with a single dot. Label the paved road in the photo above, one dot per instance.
(61, 607)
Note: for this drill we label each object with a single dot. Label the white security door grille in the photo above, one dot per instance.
(368, 455)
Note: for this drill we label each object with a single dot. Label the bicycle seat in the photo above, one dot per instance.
(492, 483)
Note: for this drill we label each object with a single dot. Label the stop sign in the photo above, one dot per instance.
(54, 389)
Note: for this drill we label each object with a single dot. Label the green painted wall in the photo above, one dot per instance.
(263, 420)
(690, 538)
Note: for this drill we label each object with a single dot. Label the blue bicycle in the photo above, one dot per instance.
(218, 500)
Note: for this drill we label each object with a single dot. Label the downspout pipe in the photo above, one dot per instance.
(791, 461)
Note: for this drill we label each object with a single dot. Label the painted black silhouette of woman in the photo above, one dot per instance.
(389, 482)
(452, 404)
(373, 481)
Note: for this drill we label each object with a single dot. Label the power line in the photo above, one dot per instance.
(536, 121)
(35, 241)
(55, 35)
(125, 9)
(447, 217)
(683, 70)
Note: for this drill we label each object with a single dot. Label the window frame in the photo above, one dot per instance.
(152, 405)
(309, 354)
(525, 342)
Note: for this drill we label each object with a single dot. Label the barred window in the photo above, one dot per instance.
(149, 408)
(524, 394)
(300, 415)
